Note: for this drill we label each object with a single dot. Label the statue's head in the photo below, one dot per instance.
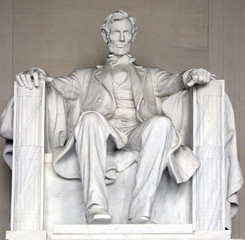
(119, 31)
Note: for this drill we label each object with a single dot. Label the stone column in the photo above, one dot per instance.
(208, 145)
(28, 158)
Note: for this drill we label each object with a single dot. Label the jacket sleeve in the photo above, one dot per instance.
(68, 86)
(166, 84)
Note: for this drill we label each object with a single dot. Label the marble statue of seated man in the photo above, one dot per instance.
(120, 108)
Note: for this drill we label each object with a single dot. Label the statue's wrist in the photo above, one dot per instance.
(187, 77)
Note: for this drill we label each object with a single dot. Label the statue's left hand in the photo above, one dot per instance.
(199, 76)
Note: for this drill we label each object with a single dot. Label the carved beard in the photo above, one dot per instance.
(118, 51)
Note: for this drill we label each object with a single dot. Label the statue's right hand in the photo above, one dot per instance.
(30, 78)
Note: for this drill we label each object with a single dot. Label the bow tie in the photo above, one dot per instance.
(125, 59)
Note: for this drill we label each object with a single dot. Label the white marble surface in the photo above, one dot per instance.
(28, 159)
(118, 232)
(125, 228)
(208, 145)
(65, 200)
(63, 204)
(26, 235)
(159, 231)
(118, 98)
(152, 231)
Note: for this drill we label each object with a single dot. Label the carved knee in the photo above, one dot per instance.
(90, 119)
(159, 123)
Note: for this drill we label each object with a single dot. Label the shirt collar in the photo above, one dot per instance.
(117, 60)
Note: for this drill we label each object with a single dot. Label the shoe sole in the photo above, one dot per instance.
(101, 219)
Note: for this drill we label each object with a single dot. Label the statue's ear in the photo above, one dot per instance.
(134, 36)
(104, 35)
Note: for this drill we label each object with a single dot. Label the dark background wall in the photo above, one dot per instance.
(62, 35)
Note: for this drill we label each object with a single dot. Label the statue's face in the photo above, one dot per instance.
(120, 37)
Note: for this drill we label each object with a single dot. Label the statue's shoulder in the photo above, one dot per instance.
(82, 73)
(150, 70)
(153, 69)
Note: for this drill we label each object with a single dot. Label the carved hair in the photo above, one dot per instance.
(117, 16)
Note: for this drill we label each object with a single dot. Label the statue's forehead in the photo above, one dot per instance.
(120, 24)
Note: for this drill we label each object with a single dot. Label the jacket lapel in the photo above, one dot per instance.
(104, 76)
(137, 75)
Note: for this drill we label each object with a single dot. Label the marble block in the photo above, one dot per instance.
(208, 145)
(26, 235)
(148, 231)
(28, 159)
(91, 120)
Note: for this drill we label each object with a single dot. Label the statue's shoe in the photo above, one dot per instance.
(100, 216)
(140, 220)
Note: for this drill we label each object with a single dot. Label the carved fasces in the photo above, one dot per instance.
(28, 156)
(208, 145)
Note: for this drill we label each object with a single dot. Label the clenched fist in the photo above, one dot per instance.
(199, 76)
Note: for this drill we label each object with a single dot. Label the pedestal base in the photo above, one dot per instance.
(142, 232)
(119, 232)
(26, 235)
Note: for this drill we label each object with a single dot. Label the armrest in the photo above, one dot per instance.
(28, 158)
(208, 144)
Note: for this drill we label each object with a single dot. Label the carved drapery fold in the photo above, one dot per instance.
(208, 182)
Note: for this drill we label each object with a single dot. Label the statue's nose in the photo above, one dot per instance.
(122, 38)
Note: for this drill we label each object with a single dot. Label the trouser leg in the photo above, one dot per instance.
(153, 140)
(91, 145)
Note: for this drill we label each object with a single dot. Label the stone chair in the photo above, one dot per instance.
(42, 200)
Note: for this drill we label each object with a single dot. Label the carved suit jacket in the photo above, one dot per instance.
(91, 89)
(94, 89)
(163, 84)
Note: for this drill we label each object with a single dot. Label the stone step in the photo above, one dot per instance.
(133, 231)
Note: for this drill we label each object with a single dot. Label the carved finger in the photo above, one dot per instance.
(205, 76)
(195, 77)
(213, 76)
(203, 71)
(23, 78)
(29, 82)
(35, 77)
(201, 78)
(48, 79)
(19, 81)
(208, 76)
(191, 83)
